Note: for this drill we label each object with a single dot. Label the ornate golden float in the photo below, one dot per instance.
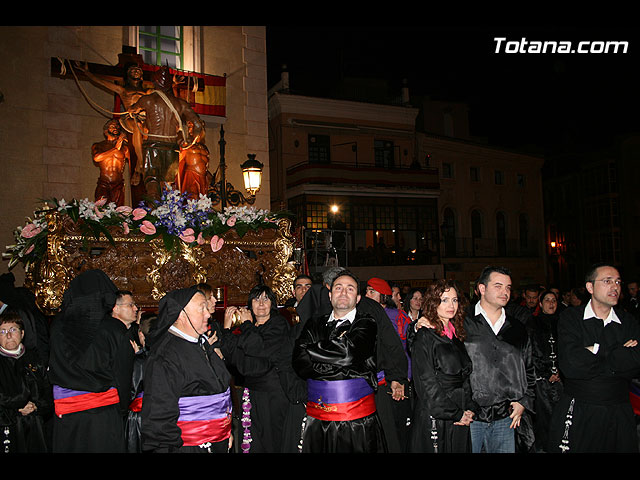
(149, 270)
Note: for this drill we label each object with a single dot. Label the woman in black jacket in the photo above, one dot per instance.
(253, 350)
(441, 369)
(26, 399)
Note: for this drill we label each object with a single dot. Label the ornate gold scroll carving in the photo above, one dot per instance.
(150, 271)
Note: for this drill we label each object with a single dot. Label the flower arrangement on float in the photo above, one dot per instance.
(175, 217)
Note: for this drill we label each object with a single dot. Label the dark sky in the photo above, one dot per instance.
(552, 101)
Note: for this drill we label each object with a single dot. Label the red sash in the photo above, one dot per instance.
(136, 404)
(73, 401)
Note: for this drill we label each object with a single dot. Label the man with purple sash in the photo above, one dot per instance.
(187, 399)
(336, 354)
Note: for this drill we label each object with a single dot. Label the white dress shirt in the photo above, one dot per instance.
(498, 325)
(349, 316)
(589, 313)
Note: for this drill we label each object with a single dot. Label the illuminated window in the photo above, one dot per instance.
(161, 45)
(317, 215)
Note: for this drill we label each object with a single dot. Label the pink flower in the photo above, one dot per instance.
(231, 221)
(216, 243)
(139, 213)
(124, 209)
(147, 227)
(125, 227)
(29, 250)
(188, 235)
(200, 239)
(98, 213)
(101, 202)
(30, 231)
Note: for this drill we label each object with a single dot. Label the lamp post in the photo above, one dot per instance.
(223, 192)
(252, 174)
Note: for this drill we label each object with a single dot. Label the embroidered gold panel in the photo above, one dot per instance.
(150, 271)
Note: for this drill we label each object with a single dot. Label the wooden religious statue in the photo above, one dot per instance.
(165, 125)
(193, 175)
(111, 155)
(129, 93)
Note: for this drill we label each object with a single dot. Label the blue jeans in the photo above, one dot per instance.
(495, 437)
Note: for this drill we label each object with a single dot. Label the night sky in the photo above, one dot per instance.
(548, 103)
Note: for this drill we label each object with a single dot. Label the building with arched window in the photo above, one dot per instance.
(490, 206)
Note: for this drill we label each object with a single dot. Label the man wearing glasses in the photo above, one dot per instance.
(598, 355)
(126, 311)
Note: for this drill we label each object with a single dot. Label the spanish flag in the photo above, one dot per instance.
(207, 94)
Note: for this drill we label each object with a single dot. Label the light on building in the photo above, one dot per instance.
(252, 174)
(335, 209)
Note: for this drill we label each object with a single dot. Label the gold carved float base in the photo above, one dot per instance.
(149, 271)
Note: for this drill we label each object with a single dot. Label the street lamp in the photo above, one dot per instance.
(222, 192)
(252, 174)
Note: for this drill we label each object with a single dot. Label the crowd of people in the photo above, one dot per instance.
(347, 365)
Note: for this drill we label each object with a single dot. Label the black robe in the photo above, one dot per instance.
(24, 379)
(543, 330)
(346, 352)
(253, 351)
(106, 363)
(133, 426)
(391, 357)
(596, 386)
(441, 369)
(177, 368)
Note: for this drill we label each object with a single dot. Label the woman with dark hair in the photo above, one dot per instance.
(441, 370)
(543, 330)
(26, 398)
(412, 304)
(251, 344)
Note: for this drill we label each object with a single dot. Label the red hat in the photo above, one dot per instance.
(379, 285)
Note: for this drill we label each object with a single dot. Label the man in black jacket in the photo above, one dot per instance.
(391, 358)
(503, 379)
(336, 354)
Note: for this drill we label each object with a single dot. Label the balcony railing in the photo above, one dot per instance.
(328, 247)
(362, 174)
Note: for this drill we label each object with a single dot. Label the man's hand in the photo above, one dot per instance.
(516, 413)
(631, 343)
(29, 408)
(467, 418)
(423, 322)
(397, 391)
